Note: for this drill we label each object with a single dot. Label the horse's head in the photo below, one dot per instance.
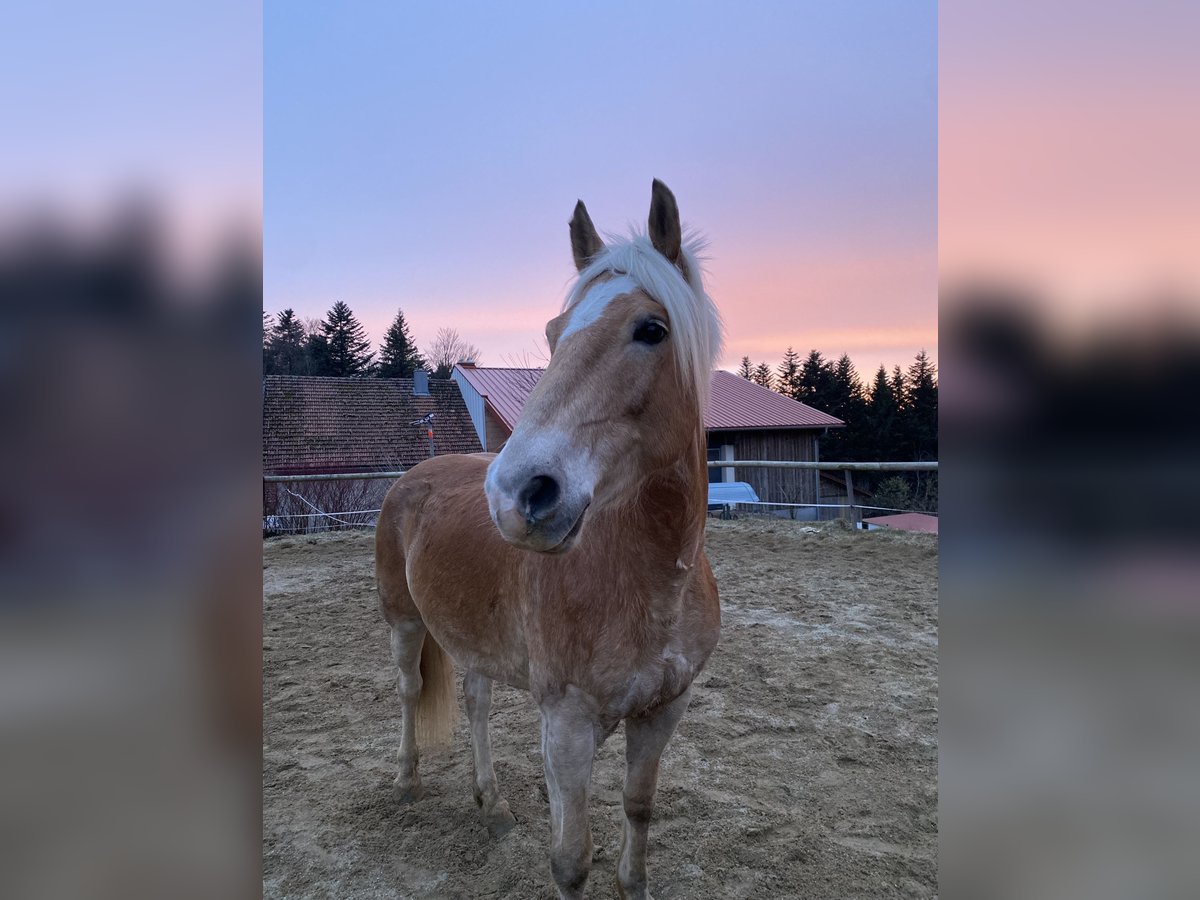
(631, 358)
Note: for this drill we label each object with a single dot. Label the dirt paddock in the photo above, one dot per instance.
(806, 765)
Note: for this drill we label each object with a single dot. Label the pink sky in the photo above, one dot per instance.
(1068, 148)
(431, 162)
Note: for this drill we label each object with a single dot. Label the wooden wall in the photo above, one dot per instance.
(497, 433)
(774, 485)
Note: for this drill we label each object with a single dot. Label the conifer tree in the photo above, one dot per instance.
(880, 416)
(762, 375)
(399, 357)
(285, 353)
(268, 322)
(342, 349)
(922, 407)
(899, 388)
(845, 401)
(815, 383)
(745, 370)
(788, 373)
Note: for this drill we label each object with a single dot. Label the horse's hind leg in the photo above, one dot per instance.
(407, 637)
(645, 739)
(496, 815)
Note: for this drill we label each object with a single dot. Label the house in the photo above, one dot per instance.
(743, 421)
(314, 426)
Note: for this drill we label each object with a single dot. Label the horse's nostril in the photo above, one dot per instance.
(538, 497)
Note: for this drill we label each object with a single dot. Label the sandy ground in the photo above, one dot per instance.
(805, 767)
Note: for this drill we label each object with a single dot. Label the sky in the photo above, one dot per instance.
(1067, 147)
(162, 102)
(428, 157)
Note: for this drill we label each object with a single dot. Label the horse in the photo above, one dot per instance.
(572, 563)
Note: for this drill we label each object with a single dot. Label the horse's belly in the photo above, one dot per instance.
(506, 664)
(473, 614)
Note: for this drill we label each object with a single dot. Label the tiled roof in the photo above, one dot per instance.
(734, 403)
(358, 424)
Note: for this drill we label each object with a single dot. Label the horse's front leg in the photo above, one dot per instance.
(646, 737)
(568, 748)
(496, 815)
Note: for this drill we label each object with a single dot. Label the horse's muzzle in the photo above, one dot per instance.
(538, 514)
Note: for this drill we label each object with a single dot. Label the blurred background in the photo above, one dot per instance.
(130, 280)
(1069, 239)
(130, 277)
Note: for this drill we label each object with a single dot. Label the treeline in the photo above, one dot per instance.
(894, 416)
(338, 346)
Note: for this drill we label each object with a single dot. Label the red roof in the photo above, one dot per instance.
(505, 389)
(734, 403)
(906, 522)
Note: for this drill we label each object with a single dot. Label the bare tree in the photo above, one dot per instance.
(448, 348)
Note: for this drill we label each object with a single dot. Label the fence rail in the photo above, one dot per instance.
(316, 518)
(928, 466)
(712, 464)
(345, 476)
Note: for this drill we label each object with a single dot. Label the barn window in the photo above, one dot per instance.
(718, 450)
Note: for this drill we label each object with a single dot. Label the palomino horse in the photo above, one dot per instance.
(572, 564)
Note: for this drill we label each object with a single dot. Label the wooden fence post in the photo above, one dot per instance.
(851, 511)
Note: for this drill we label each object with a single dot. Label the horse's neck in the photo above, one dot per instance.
(672, 506)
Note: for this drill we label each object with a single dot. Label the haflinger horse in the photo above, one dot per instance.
(572, 563)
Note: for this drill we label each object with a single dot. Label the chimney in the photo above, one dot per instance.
(420, 383)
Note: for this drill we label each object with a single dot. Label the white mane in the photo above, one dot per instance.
(695, 324)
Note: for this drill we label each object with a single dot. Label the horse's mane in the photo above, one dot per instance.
(695, 323)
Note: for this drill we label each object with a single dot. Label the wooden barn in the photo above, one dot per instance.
(744, 421)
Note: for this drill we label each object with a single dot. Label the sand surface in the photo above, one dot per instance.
(806, 765)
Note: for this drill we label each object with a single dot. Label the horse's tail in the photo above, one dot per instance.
(437, 707)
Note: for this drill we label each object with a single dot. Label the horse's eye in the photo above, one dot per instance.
(650, 332)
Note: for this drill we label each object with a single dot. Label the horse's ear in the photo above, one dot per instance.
(665, 232)
(585, 243)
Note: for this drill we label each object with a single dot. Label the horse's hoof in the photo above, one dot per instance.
(641, 892)
(501, 821)
(406, 792)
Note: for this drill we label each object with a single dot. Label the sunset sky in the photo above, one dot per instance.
(428, 157)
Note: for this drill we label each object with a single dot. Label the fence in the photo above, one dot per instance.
(291, 512)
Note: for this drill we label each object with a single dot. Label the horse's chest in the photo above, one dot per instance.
(657, 681)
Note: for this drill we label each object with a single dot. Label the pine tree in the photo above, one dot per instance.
(845, 401)
(398, 356)
(285, 353)
(788, 373)
(899, 388)
(922, 407)
(762, 375)
(814, 385)
(268, 322)
(745, 369)
(342, 349)
(847, 390)
(881, 414)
